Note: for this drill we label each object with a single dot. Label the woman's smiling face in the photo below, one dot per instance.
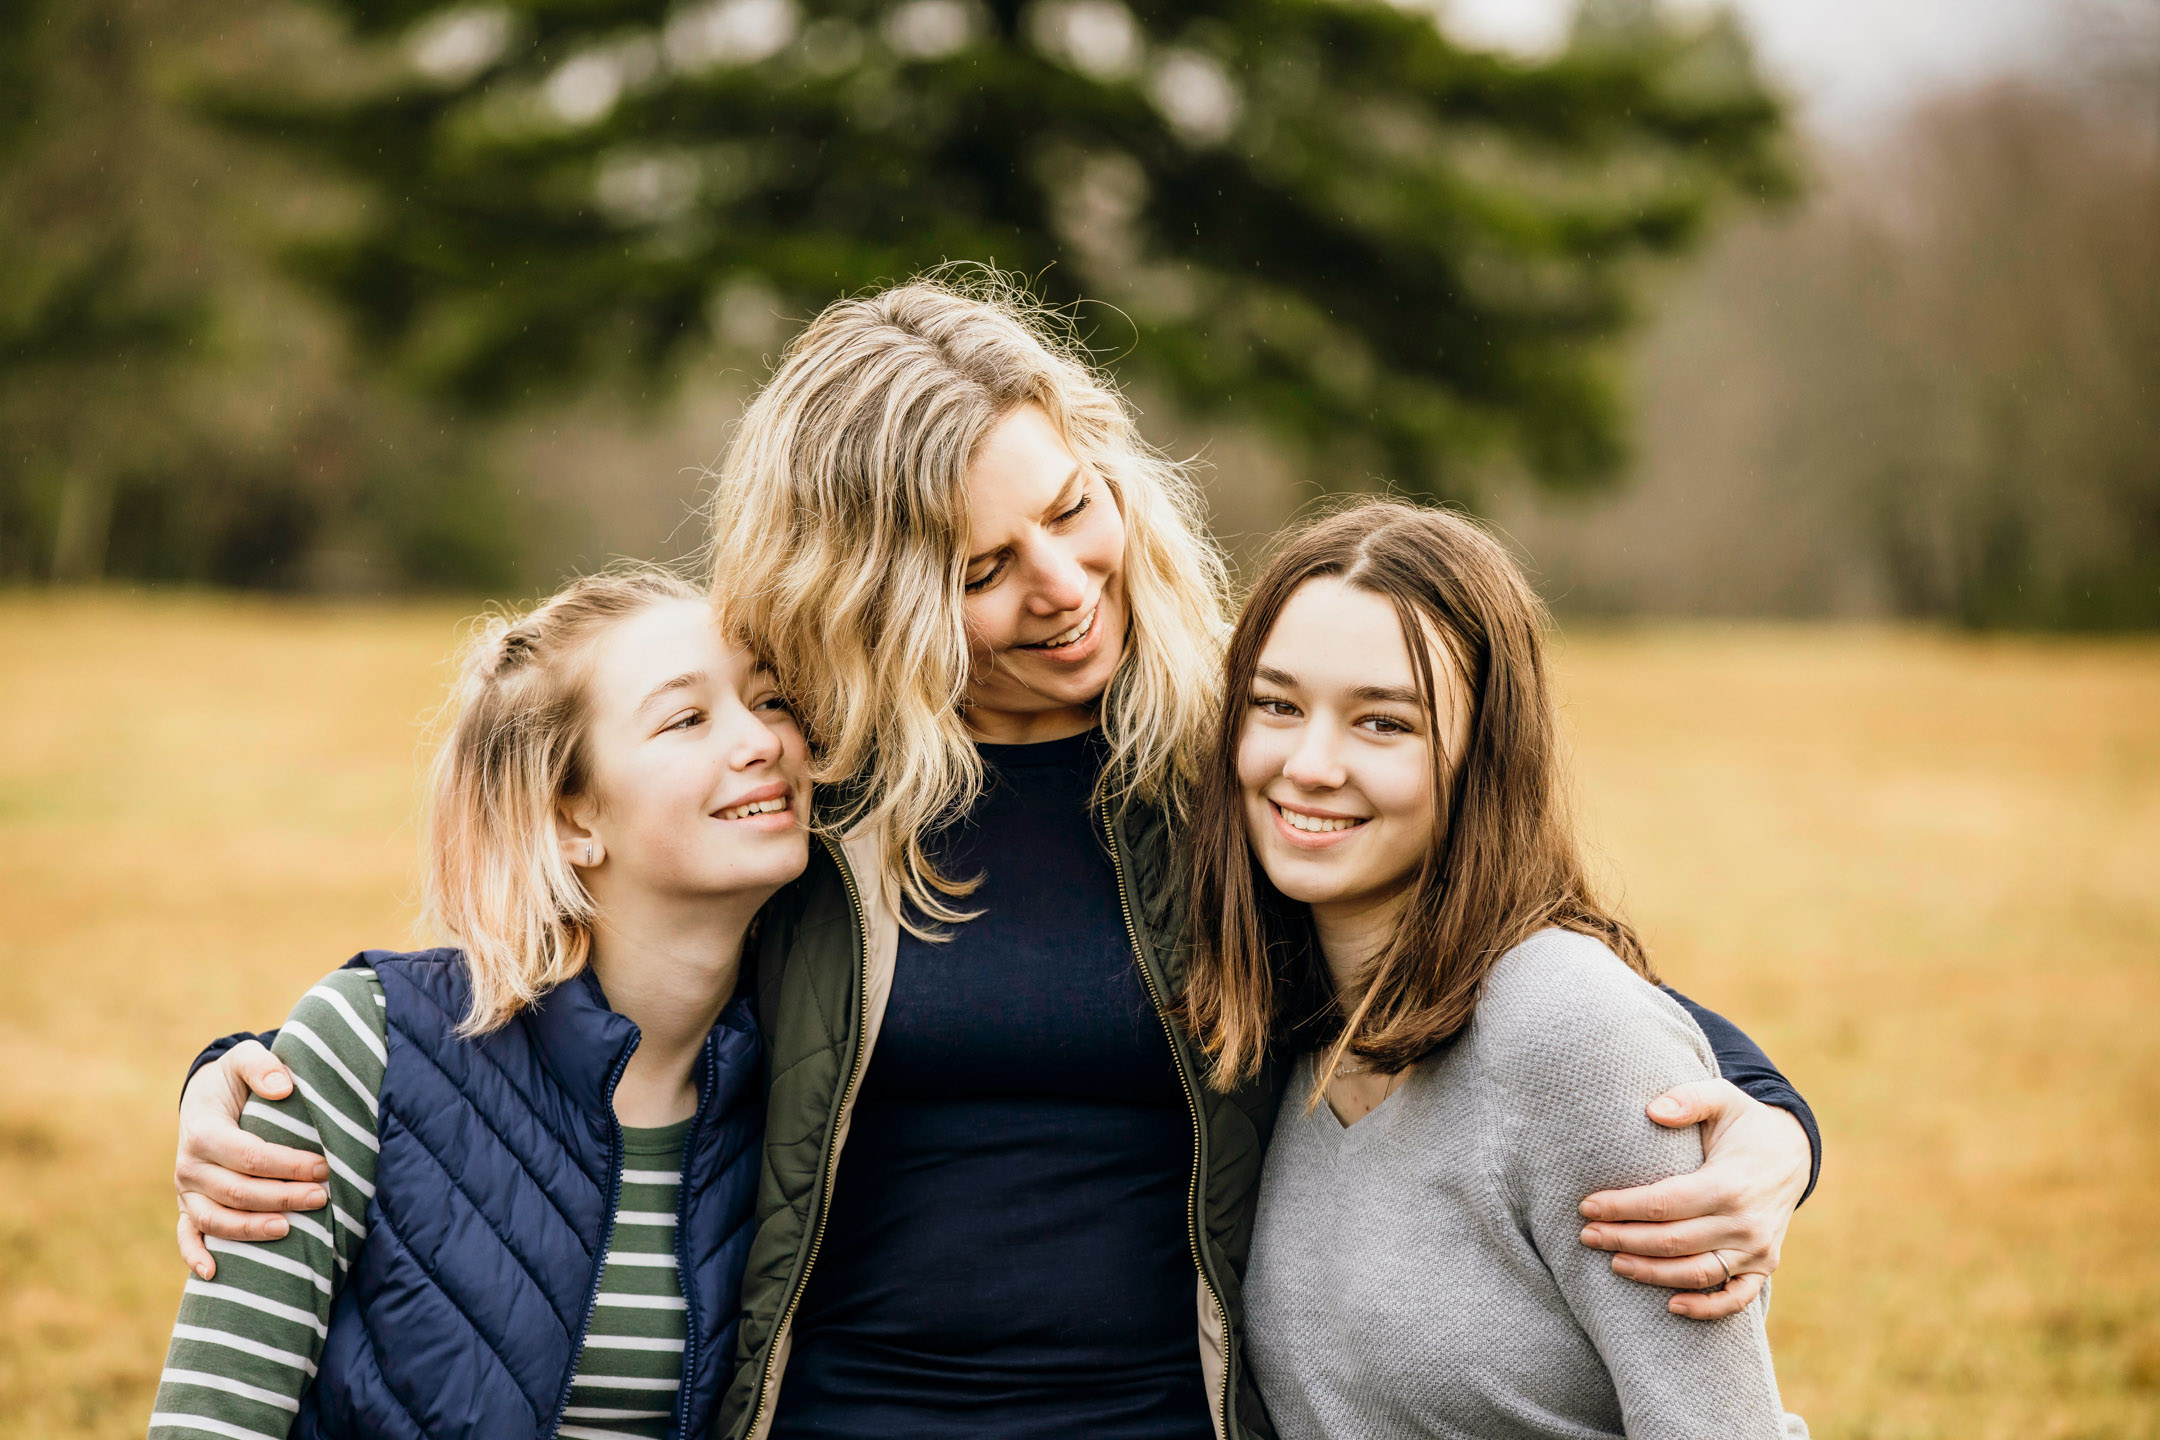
(1045, 603)
(1335, 760)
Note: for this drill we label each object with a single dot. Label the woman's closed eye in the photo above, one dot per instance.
(989, 577)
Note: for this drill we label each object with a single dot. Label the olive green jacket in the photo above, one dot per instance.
(825, 956)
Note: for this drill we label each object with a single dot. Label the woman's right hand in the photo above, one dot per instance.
(233, 1185)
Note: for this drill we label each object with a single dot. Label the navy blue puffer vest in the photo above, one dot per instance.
(495, 1195)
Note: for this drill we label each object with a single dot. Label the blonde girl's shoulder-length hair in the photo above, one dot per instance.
(512, 748)
(840, 535)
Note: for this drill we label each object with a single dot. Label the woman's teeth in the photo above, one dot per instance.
(1315, 823)
(755, 807)
(1069, 637)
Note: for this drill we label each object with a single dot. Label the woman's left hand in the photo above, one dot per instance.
(1735, 1208)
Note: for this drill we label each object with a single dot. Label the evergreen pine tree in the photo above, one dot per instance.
(1400, 251)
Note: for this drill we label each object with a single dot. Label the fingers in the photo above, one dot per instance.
(258, 1069)
(1683, 1197)
(232, 1184)
(209, 1148)
(1673, 1233)
(237, 1190)
(192, 1250)
(1679, 1239)
(1719, 1303)
(211, 1139)
(1694, 1103)
(1691, 1272)
(212, 1219)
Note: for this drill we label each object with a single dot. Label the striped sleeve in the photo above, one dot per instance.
(246, 1343)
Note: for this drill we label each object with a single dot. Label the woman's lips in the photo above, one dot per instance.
(1314, 839)
(1072, 652)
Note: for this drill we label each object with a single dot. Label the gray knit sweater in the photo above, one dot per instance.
(1419, 1273)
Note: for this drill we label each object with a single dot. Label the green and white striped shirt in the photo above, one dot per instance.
(246, 1344)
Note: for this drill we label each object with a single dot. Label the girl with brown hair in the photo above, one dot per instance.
(1385, 874)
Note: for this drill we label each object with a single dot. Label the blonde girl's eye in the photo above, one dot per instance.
(1086, 499)
(689, 719)
(774, 705)
(985, 580)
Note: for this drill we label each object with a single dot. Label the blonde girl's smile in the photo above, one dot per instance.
(765, 802)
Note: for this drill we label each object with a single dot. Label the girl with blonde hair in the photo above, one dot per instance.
(999, 1199)
(539, 1144)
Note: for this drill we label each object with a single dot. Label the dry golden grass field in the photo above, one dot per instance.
(1924, 871)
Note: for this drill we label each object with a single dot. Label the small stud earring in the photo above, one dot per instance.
(588, 852)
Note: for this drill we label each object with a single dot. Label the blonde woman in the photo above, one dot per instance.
(998, 1200)
(540, 1146)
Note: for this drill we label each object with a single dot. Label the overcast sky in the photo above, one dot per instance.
(1852, 63)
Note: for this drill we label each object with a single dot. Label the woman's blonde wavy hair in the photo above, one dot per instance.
(513, 749)
(840, 521)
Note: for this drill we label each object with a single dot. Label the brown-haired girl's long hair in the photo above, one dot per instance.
(1503, 862)
(512, 751)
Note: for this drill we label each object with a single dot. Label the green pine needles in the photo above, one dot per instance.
(1404, 255)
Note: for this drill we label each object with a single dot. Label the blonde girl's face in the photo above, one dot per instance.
(698, 771)
(1335, 761)
(1045, 597)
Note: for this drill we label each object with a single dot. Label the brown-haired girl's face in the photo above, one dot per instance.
(696, 767)
(1045, 604)
(1335, 758)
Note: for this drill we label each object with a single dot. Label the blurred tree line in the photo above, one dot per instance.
(1976, 362)
(1932, 391)
(282, 275)
(1403, 256)
(171, 408)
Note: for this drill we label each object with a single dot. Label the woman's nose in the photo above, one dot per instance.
(1059, 581)
(1316, 763)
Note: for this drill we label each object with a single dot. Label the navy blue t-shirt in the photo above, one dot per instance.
(1007, 1253)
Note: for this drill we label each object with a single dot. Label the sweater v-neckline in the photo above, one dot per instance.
(1362, 1131)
